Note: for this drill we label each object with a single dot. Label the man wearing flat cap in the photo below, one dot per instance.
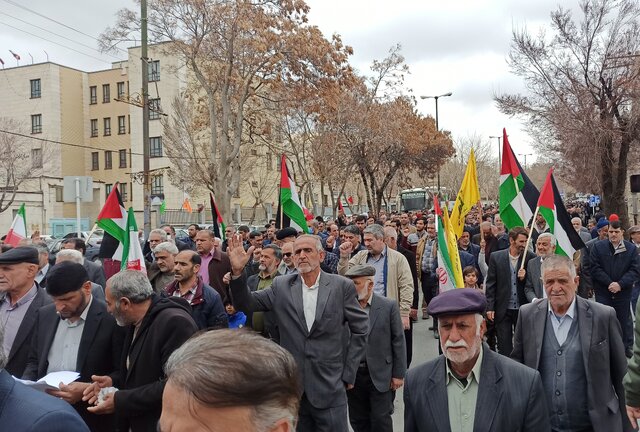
(20, 299)
(469, 387)
(381, 371)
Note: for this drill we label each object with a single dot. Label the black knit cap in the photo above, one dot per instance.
(66, 277)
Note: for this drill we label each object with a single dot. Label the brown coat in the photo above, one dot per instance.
(218, 267)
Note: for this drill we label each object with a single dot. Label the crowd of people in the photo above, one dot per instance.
(277, 330)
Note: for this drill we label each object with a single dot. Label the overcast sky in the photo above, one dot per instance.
(458, 47)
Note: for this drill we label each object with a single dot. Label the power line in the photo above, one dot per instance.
(58, 35)
(55, 21)
(53, 42)
(82, 145)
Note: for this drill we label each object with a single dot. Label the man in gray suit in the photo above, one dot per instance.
(382, 369)
(470, 387)
(576, 345)
(545, 246)
(312, 309)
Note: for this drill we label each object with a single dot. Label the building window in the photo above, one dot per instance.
(107, 189)
(106, 93)
(107, 126)
(108, 159)
(36, 158)
(155, 147)
(157, 187)
(154, 70)
(121, 90)
(95, 163)
(124, 192)
(93, 95)
(154, 109)
(122, 154)
(36, 90)
(59, 194)
(36, 123)
(94, 127)
(122, 125)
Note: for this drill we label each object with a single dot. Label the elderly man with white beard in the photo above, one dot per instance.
(469, 387)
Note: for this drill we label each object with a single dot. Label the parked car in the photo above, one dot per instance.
(95, 240)
(55, 246)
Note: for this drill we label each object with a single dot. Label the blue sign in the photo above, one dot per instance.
(594, 200)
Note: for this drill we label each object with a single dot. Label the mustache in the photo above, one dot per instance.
(458, 344)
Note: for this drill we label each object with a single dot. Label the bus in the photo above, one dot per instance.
(415, 199)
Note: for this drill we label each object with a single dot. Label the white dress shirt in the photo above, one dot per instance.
(310, 301)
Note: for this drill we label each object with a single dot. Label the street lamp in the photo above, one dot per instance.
(499, 152)
(525, 158)
(437, 126)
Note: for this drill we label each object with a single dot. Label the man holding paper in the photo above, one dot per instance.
(75, 333)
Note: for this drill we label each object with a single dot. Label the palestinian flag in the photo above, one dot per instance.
(113, 220)
(218, 224)
(518, 195)
(18, 230)
(290, 210)
(449, 269)
(129, 252)
(551, 207)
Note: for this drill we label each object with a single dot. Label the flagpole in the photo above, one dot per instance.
(526, 248)
(95, 226)
(480, 221)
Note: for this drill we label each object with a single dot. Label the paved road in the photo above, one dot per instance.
(425, 348)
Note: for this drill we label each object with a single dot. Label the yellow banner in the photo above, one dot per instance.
(468, 196)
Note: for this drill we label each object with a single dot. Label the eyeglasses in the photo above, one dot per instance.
(287, 254)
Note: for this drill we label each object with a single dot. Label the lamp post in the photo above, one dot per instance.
(437, 126)
(499, 152)
(525, 158)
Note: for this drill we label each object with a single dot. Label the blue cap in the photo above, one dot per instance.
(459, 301)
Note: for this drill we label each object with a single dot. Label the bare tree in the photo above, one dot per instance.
(20, 160)
(581, 88)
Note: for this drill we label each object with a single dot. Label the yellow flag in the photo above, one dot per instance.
(452, 246)
(468, 196)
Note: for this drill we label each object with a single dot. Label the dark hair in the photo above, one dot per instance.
(173, 230)
(196, 226)
(66, 277)
(486, 216)
(361, 218)
(276, 250)
(517, 231)
(423, 219)
(78, 244)
(352, 229)
(255, 233)
(194, 257)
(320, 219)
(5, 247)
(615, 224)
(470, 269)
(243, 228)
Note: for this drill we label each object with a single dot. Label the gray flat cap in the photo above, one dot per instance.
(360, 270)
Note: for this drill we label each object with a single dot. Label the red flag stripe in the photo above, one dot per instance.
(509, 165)
(546, 194)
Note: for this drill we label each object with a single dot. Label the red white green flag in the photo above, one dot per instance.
(218, 224)
(129, 252)
(18, 230)
(552, 209)
(518, 195)
(113, 216)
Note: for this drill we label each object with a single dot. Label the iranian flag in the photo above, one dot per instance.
(218, 224)
(551, 207)
(18, 230)
(518, 195)
(129, 252)
(449, 269)
(290, 210)
(113, 216)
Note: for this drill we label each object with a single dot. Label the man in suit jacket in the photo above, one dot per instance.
(383, 367)
(20, 299)
(94, 270)
(615, 268)
(545, 246)
(576, 345)
(505, 287)
(155, 327)
(26, 409)
(470, 387)
(75, 333)
(215, 263)
(312, 309)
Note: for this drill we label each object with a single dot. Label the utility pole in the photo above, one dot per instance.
(499, 151)
(437, 125)
(146, 181)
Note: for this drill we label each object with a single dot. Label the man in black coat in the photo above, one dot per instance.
(155, 328)
(20, 299)
(76, 333)
(506, 279)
